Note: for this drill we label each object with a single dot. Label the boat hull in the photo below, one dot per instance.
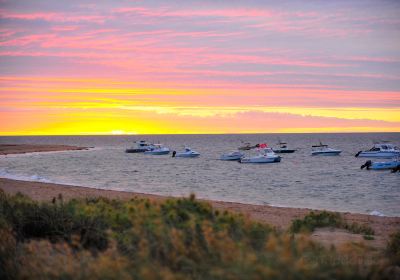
(330, 153)
(135, 150)
(260, 160)
(232, 156)
(393, 164)
(384, 165)
(165, 152)
(187, 155)
(284, 151)
(378, 154)
(248, 147)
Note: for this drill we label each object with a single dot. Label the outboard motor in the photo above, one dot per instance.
(397, 168)
(367, 164)
(356, 155)
(173, 153)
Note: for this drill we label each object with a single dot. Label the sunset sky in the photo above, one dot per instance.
(144, 67)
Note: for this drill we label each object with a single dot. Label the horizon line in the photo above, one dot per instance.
(239, 133)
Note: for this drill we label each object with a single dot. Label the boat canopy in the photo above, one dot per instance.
(383, 146)
(320, 145)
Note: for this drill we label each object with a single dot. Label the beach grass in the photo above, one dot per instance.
(393, 248)
(322, 219)
(173, 239)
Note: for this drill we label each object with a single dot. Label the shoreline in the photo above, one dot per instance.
(13, 149)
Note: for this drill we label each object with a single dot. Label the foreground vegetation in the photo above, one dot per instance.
(329, 219)
(174, 239)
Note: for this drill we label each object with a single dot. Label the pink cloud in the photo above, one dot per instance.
(27, 40)
(240, 12)
(64, 28)
(8, 32)
(308, 22)
(373, 59)
(53, 17)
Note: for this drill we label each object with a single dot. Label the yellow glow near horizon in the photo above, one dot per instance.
(53, 107)
(146, 120)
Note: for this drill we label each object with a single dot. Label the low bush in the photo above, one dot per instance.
(321, 219)
(140, 239)
(358, 228)
(393, 248)
(315, 220)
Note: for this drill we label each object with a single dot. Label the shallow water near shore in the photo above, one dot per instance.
(299, 180)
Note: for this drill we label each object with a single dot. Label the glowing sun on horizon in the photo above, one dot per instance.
(122, 132)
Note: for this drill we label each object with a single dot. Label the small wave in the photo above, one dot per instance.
(31, 178)
(376, 213)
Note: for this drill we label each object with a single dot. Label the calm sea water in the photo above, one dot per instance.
(299, 180)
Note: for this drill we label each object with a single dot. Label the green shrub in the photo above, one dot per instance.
(393, 248)
(368, 237)
(141, 239)
(8, 254)
(320, 219)
(315, 220)
(358, 229)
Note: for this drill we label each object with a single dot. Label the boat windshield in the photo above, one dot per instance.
(142, 143)
(378, 147)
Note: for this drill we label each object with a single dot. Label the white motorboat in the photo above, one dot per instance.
(265, 155)
(187, 153)
(380, 150)
(392, 164)
(324, 150)
(157, 149)
(235, 155)
(140, 147)
(283, 149)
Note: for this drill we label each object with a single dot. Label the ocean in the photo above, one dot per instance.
(299, 180)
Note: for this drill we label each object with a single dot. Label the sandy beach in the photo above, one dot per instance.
(281, 217)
